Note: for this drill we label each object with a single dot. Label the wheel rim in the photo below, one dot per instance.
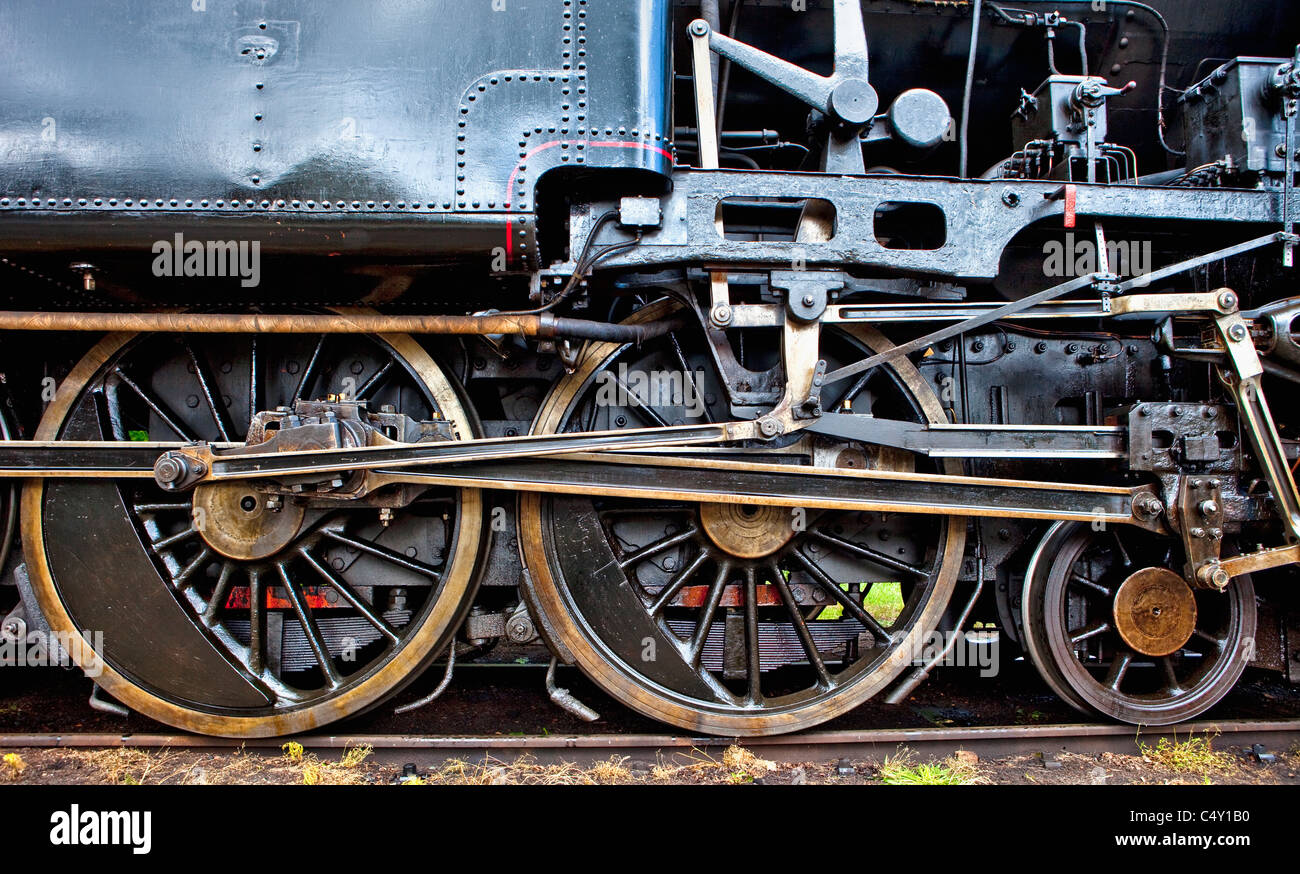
(353, 608)
(666, 620)
(1033, 623)
(1088, 652)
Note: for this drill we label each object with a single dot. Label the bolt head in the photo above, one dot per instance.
(168, 469)
(1215, 575)
(854, 101)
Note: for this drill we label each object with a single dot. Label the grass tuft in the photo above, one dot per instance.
(14, 766)
(1196, 755)
(354, 756)
(903, 770)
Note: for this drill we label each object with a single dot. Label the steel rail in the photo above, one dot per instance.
(800, 747)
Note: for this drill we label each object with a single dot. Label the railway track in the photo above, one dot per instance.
(985, 741)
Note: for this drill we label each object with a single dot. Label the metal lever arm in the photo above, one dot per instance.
(846, 96)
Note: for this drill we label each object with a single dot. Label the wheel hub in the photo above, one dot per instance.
(745, 530)
(235, 521)
(1155, 611)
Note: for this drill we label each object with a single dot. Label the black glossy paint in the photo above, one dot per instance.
(313, 107)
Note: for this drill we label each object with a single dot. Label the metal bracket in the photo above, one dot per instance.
(1164, 437)
(807, 294)
(1200, 520)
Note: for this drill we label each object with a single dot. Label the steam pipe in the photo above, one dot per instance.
(543, 325)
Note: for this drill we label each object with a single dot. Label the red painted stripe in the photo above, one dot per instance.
(1071, 198)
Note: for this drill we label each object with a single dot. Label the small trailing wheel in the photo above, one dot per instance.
(228, 611)
(734, 618)
(1114, 630)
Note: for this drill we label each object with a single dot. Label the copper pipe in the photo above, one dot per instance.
(542, 325)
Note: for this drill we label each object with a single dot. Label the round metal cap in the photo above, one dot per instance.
(1155, 611)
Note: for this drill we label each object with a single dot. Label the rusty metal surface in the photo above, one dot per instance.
(1155, 611)
(536, 325)
(802, 746)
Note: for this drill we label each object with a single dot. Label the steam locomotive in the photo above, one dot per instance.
(749, 356)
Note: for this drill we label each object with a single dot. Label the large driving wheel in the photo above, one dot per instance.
(222, 612)
(728, 618)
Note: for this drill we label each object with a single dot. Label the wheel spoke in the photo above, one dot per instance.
(167, 417)
(180, 537)
(309, 627)
(384, 553)
(754, 668)
(375, 381)
(657, 547)
(801, 628)
(1171, 677)
(254, 380)
(869, 553)
(858, 386)
(853, 607)
(1119, 544)
(641, 406)
(690, 374)
(706, 618)
(308, 372)
(1118, 669)
(219, 591)
(676, 583)
(350, 595)
(182, 579)
(1088, 631)
(256, 622)
(210, 394)
(1208, 638)
(1092, 585)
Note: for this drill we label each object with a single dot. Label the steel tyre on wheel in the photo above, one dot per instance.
(722, 618)
(211, 612)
